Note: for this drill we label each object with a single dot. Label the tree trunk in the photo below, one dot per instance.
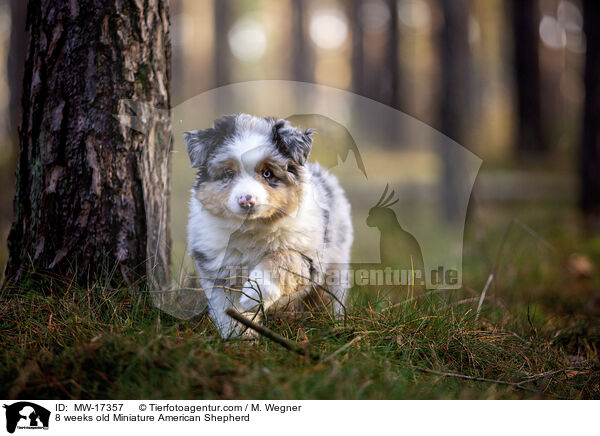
(530, 136)
(358, 57)
(91, 194)
(375, 57)
(303, 61)
(590, 147)
(222, 53)
(455, 96)
(392, 57)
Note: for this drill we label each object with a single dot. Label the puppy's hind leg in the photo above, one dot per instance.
(338, 285)
(339, 302)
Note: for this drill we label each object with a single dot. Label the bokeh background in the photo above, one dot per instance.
(462, 67)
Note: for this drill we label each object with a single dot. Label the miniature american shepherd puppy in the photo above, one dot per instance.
(265, 226)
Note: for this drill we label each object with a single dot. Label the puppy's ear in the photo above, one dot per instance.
(197, 144)
(292, 142)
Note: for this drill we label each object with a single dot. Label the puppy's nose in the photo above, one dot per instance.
(246, 201)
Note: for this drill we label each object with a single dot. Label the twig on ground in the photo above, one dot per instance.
(534, 234)
(525, 341)
(517, 385)
(342, 348)
(275, 337)
(554, 372)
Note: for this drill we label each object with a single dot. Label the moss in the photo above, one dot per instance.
(142, 77)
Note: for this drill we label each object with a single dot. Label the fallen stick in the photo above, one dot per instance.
(270, 334)
(517, 385)
(344, 347)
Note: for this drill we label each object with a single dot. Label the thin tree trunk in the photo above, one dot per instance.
(530, 136)
(454, 105)
(590, 147)
(358, 58)
(392, 55)
(221, 56)
(375, 55)
(91, 194)
(303, 61)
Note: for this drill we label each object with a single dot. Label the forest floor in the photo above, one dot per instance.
(537, 334)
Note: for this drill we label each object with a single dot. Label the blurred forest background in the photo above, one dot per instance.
(503, 78)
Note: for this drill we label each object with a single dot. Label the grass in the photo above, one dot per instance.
(537, 336)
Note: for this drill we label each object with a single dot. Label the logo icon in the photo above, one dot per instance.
(26, 415)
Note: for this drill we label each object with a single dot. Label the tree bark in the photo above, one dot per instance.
(530, 136)
(91, 193)
(590, 146)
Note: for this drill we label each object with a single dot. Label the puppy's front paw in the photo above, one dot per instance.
(240, 330)
(251, 297)
(235, 330)
(228, 328)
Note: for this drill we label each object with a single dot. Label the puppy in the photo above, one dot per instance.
(264, 226)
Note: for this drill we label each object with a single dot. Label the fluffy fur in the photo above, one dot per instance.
(264, 224)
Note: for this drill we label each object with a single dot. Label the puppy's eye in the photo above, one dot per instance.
(227, 173)
(267, 173)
